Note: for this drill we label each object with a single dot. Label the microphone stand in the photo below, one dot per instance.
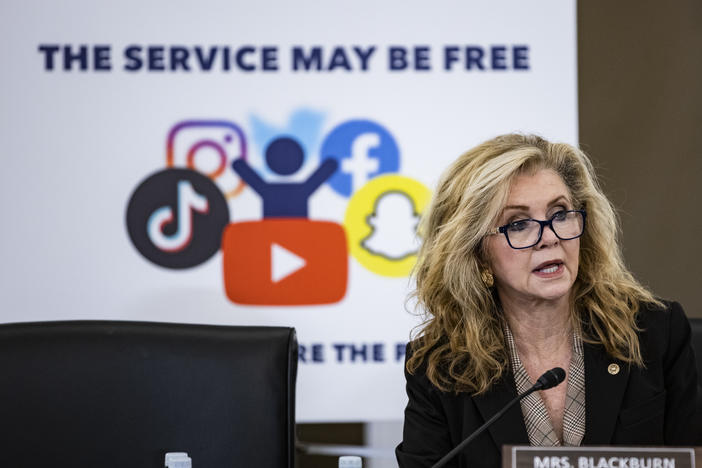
(548, 380)
(482, 428)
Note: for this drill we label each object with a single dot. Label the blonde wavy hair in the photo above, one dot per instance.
(461, 340)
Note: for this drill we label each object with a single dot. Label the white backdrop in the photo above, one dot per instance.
(77, 143)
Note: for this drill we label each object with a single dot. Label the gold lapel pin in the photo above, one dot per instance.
(613, 369)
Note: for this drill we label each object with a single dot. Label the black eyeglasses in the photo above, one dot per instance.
(525, 233)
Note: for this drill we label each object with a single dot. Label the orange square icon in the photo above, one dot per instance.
(285, 261)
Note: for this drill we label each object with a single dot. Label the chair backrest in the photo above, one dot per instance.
(696, 324)
(87, 394)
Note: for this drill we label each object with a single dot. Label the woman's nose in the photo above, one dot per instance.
(548, 237)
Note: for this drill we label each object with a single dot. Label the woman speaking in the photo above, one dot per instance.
(520, 271)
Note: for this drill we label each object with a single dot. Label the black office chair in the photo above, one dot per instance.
(696, 324)
(90, 394)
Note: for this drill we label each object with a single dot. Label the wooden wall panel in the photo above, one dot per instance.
(640, 106)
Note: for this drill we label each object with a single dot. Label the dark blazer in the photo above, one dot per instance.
(654, 405)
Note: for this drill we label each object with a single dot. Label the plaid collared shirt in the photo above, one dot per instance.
(536, 419)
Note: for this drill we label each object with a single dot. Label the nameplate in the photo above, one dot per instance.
(598, 457)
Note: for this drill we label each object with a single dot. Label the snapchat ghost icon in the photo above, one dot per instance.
(394, 227)
(381, 224)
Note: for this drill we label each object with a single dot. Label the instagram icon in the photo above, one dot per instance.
(208, 147)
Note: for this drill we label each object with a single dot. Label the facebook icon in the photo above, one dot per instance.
(363, 149)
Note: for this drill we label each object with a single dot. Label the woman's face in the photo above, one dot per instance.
(546, 271)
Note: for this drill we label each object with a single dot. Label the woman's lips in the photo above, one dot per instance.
(548, 270)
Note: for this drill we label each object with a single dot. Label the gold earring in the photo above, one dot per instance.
(487, 277)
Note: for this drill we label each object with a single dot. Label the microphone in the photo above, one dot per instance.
(549, 379)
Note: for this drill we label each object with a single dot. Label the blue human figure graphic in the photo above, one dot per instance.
(284, 156)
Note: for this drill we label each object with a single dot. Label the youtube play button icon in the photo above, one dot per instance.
(285, 261)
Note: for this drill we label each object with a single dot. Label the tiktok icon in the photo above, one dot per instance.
(175, 218)
(188, 201)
